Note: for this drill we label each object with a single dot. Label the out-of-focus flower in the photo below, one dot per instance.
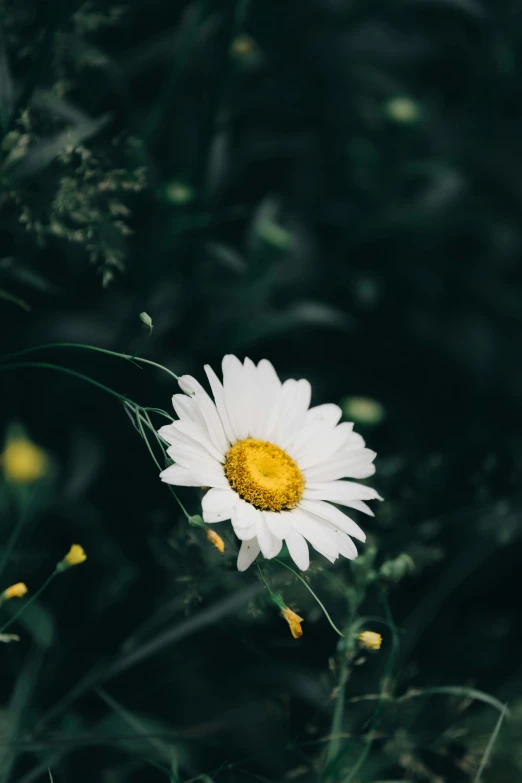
(74, 556)
(216, 539)
(294, 622)
(273, 463)
(17, 590)
(370, 640)
(177, 192)
(402, 110)
(363, 410)
(23, 461)
(243, 47)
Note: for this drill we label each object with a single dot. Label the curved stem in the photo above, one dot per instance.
(82, 346)
(67, 371)
(28, 602)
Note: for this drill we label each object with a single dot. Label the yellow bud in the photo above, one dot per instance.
(15, 591)
(23, 462)
(74, 556)
(216, 539)
(294, 622)
(370, 640)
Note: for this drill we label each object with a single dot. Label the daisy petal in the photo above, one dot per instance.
(247, 554)
(218, 504)
(269, 392)
(245, 515)
(354, 466)
(277, 523)
(219, 397)
(298, 548)
(245, 533)
(320, 537)
(237, 405)
(346, 546)
(208, 409)
(333, 515)
(188, 431)
(179, 477)
(267, 541)
(342, 492)
(187, 409)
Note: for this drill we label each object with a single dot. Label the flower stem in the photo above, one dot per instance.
(28, 602)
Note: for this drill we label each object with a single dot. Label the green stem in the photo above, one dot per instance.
(67, 371)
(314, 595)
(82, 346)
(28, 602)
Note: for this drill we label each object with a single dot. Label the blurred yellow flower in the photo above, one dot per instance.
(216, 539)
(402, 110)
(294, 622)
(243, 46)
(23, 461)
(15, 591)
(74, 556)
(370, 640)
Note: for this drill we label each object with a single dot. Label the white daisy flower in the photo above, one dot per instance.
(273, 464)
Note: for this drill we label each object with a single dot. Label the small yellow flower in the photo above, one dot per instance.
(74, 556)
(23, 462)
(15, 591)
(294, 622)
(216, 539)
(370, 640)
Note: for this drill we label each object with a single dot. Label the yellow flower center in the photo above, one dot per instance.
(264, 475)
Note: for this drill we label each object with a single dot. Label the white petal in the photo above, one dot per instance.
(245, 533)
(218, 504)
(359, 505)
(355, 466)
(247, 554)
(237, 405)
(333, 515)
(187, 409)
(219, 396)
(245, 514)
(188, 454)
(270, 545)
(187, 431)
(319, 419)
(268, 394)
(324, 445)
(298, 548)
(320, 537)
(342, 492)
(179, 477)
(346, 545)
(277, 523)
(208, 410)
(295, 400)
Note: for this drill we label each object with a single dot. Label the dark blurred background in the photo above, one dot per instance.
(333, 185)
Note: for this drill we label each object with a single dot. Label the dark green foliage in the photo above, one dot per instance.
(332, 184)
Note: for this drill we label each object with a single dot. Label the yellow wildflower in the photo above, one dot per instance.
(294, 622)
(15, 591)
(370, 640)
(216, 539)
(74, 556)
(23, 461)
